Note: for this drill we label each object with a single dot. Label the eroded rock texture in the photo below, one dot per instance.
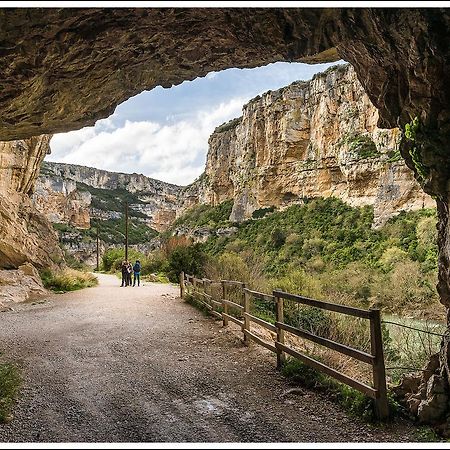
(26, 235)
(310, 139)
(73, 194)
(20, 285)
(62, 69)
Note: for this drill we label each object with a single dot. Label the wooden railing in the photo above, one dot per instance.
(236, 296)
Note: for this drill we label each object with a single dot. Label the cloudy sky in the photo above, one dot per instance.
(163, 133)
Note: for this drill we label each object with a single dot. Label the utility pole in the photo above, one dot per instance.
(126, 231)
(98, 267)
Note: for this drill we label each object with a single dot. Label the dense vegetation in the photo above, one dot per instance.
(113, 199)
(327, 249)
(322, 248)
(205, 215)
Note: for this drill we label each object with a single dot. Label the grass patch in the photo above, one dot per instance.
(351, 400)
(427, 434)
(67, 280)
(228, 125)
(10, 381)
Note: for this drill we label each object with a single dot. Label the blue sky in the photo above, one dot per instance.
(163, 133)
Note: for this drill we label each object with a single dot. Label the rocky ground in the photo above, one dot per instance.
(115, 364)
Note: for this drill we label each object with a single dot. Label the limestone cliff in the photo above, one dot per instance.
(309, 139)
(72, 194)
(26, 235)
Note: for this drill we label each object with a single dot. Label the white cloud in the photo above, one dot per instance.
(174, 153)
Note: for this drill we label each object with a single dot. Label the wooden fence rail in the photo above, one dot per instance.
(235, 297)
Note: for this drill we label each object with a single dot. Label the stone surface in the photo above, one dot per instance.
(20, 285)
(309, 139)
(26, 235)
(426, 393)
(62, 195)
(65, 68)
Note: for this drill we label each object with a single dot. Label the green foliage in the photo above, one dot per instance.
(411, 132)
(362, 145)
(260, 213)
(206, 215)
(190, 260)
(111, 231)
(394, 156)
(67, 280)
(327, 249)
(113, 199)
(110, 257)
(427, 434)
(277, 238)
(10, 381)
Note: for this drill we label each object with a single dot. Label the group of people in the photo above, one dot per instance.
(127, 270)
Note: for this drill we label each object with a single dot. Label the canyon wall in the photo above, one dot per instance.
(72, 194)
(26, 235)
(315, 138)
(310, 139)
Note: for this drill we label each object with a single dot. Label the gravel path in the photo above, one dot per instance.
(111, 364)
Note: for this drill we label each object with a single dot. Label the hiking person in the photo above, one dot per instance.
(129, 270)
(124, 274)
(137, 273)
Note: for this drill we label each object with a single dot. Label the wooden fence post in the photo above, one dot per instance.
(379, 373)
(246, 319)
(182, 287)
(279, 317)
(224, 306)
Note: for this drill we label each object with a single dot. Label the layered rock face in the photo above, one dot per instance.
(72, 194)
(61, 202)
(310, 139)
(26, 235)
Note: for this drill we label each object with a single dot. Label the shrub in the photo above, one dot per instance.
(67, 280)
(156, 262)
(392, 256)
(110, 256)
(298, 282)
(277, 238)
(245, 267)
(406, 286)
(427, 251)
(187, 259)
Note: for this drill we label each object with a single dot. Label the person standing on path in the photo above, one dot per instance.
(137, 273)
(129, 271)
(124, 269)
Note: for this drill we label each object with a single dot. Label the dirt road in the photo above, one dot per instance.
(111, 364)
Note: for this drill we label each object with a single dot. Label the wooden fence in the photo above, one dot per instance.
(221, 296)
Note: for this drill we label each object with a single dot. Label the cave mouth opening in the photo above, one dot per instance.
(126, 124)
(405, 81)
(163, 133)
